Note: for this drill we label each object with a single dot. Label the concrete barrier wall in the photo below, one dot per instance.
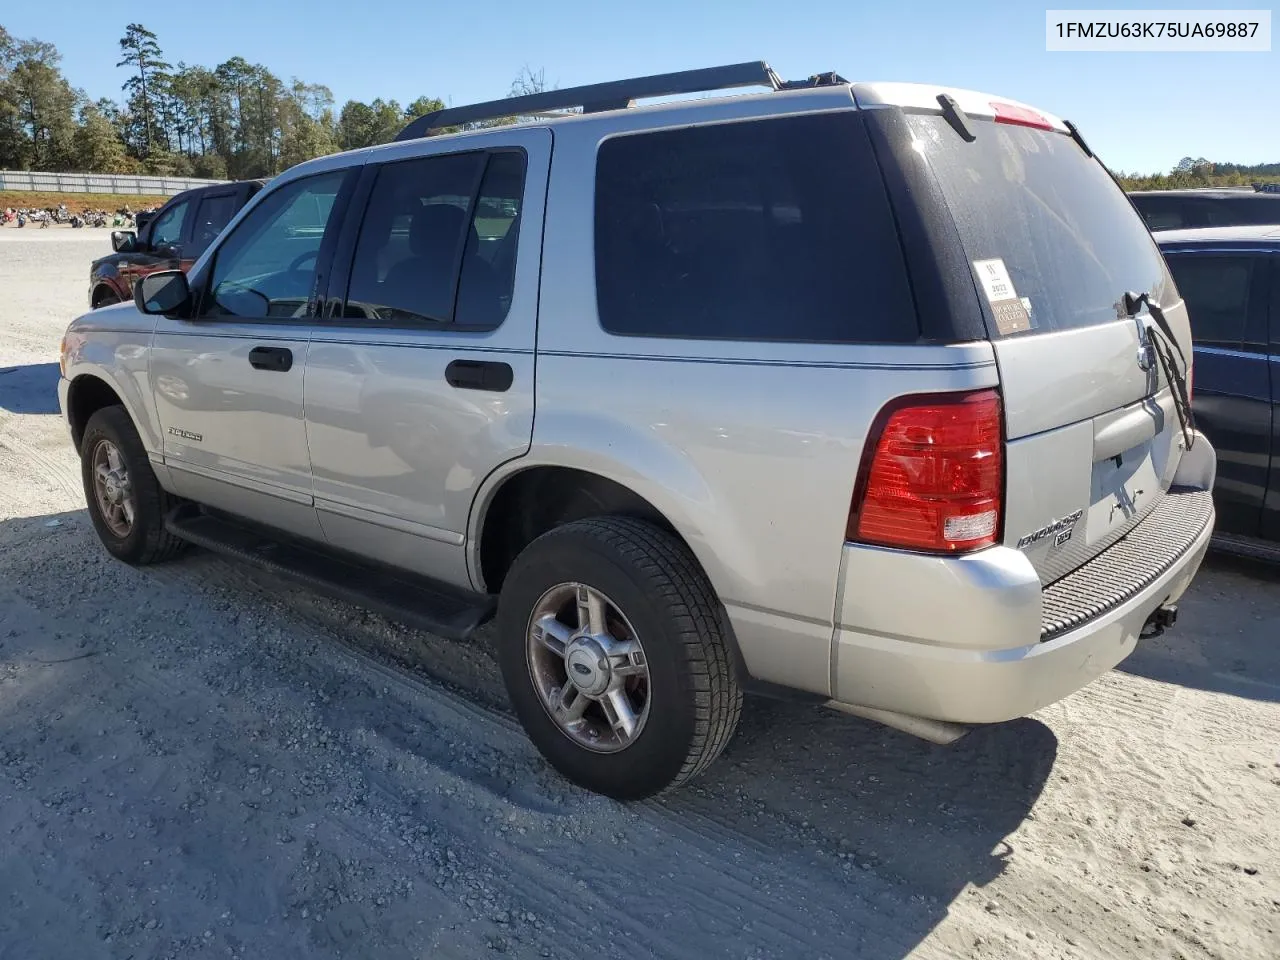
(97, 183)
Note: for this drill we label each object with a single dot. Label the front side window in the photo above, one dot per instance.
(168, 226)
(1216, 291)
(437, 243)
(267, 266)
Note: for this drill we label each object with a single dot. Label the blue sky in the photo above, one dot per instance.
(1139, 111)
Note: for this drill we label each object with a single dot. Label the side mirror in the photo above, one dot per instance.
(124, 241)
(165, 292)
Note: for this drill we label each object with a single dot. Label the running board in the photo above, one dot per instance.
(426, 604)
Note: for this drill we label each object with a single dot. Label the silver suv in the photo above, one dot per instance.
(875, 393)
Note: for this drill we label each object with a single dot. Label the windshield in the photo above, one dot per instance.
(1053, 242)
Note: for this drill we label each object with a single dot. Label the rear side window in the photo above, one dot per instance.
(1063, 231)
(1166, 213)
(772, 229)
(437, 242)
(1216, 290)
(212, 215)
(1255, 210)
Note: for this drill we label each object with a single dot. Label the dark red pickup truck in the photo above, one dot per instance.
(173, 238)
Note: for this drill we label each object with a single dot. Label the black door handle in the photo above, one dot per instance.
(479, 375)
(271, 358)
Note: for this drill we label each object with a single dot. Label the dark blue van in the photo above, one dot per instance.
(1230, 279)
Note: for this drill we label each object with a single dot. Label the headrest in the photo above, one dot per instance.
(435, 230)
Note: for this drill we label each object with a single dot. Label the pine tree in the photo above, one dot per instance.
(140, 50)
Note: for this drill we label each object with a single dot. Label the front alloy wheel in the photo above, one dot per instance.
(126, 503)
(113, 488)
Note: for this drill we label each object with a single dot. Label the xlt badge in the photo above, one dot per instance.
(1060, 527)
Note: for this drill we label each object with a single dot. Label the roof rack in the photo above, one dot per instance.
(614, 95)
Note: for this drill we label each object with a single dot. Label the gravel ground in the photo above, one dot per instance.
(196, 760)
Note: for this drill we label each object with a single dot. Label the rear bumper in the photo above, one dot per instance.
(946, 638)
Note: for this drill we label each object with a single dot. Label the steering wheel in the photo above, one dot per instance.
(302, 258)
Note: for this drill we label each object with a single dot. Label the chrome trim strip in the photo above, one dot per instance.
(1189, 246)
(1228, 352)
(745, 362)
(247, 483)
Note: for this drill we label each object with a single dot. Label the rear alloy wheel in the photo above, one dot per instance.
(588, 667)
(126, 502)
(616, 656)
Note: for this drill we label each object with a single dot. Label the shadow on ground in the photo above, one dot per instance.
(1227, 638)
(857, 837)
(929, 817)
(29, 389)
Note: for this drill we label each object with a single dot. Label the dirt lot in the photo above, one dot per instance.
(76, 202)
(199, 761)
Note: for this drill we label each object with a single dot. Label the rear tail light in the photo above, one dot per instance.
(933, 476)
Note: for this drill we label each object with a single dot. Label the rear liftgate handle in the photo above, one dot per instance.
(479, 375)
(279, 359)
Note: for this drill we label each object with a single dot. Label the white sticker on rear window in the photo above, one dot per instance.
(1010, 310)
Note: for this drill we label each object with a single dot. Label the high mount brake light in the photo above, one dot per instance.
(1020, 116)
(933, 476)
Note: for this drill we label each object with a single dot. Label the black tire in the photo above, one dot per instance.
(106, 299)
(658, 585)
(147, 540)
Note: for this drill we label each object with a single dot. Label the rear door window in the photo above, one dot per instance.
(774, 229)
(411, 240)
(437, 243)
(1062, 230)
(489, 262)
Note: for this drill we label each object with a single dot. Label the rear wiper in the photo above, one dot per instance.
(955, 116)
(1164, 344)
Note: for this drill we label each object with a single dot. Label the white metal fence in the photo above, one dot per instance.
(97, 183)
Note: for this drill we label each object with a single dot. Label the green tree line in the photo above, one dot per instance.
(236, 120)
(1191, 172)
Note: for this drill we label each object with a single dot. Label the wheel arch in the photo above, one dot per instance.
(88, 393)
(528, 501)
(562, 492)
(102, 288)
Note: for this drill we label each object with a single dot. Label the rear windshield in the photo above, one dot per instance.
(1052, 241)
(776, 229)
